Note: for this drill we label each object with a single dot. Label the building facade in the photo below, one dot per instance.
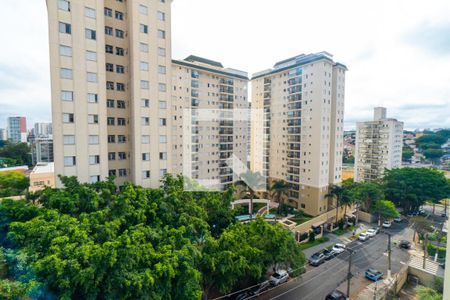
(297, 127)
(110, 75)
(42, 150)
(3, 134)
(43, 175)
(17, 129)
(43, 130)
(378, 146)
(210, 121)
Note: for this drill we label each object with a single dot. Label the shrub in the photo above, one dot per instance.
(312, 236)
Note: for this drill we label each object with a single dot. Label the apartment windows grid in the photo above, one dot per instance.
(65, 51)
(120, 51)
(145, 139)
(109, 67)
(112, 173)
(93, 119)
(161, 69)
(143, 28)
(121, 139)
(89, 12)
(109, 49)
(145, 121)
(111, 139)
(162, 172)
(162, 122)
(119, 15)
(145, 103)
(145, 85)
(91, 34)
(64, 5)
(94, 178)
(66, 95)
(108, 30)
(111, 121)
(65, 28)
(162, 87)
(110, 85)
(112, 156)
(92, 98)
(162, 104)
(121, 104)
(91, 55)
(163, 139)
(68, 118)
(144, 66)
(120, 34)
(120, 86)
(110, 103)
(161, 16)
(121, 122)
(93, 139)
(162, 52)
(163, 155)
(70, 161)
(122, 172)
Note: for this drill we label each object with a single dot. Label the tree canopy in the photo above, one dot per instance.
(15, 154)
(90, 242)
(13, 184)
(385, 209)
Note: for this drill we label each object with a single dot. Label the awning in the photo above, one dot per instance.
(318, 224)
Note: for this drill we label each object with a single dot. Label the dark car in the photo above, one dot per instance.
(317, 259)
(373, 274)
(336, 295)
(261, 288)
(329, 254)
(242, 296)
(404, 244)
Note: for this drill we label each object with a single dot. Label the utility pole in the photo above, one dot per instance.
(349, 273)
(389, 255)
(425, 250)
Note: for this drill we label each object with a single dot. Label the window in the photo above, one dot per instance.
(93, 140)
(162, 87)
(121, 122)
(145, 103)
(143, 10)
(110, 103)
(65, 73)
(120, 51)
(119, 15)
(120, 86)
(91, 55)
(68, 118)
(120, 69)
(111, 139)
(163, 139)
(111, 121)
(145, 174)
(145, 85)
(162, 122)
(65, 51)
(94, 178)
(143, 28)
(162, 1)
(162, 172)
(121, 139)
(65, 28)
(120, 33)
(120, 104)
(162, 104)
(89, 12)
(91, 77)
(108, 30)
(92, 98)
(109, 67)
(144, 66)
(112, 173)
(108, 12)
(93, 119)
(110, 85)
(145, 121)
(146, 156)
(162, 52)
(161, 69)
(94, 159)
(67, 95)
(161, 34)
(122, 172)
(70, 161)
(109, 49)
(69, 140)
(161, 16)
(90, 34)
(145, 139)
(163, 155)
(122, 156)
(144, 47)
(112, 156)
(64, 5)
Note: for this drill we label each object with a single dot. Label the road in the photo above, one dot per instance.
(317, 282)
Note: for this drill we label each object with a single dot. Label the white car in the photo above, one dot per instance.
(339, 248)
(387, 224)
(371, 232)
(279, 277)
(363, 236)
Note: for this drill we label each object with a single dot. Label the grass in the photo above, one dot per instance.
(314, 243)
(340, 232)
(300, 218)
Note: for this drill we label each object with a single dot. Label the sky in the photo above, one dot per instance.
(397, 52)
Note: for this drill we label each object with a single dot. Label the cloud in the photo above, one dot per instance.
(432, 38)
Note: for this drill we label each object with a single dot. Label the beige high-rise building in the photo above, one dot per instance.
(210, 121)
(378, 146)
(111, 76)
(297, 127)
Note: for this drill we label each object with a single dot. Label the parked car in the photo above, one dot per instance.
(329, 254)
(373, 274)
(371, 232)
(363, 236)
(377, 229)
(242, 296)
(444, 215)
(336, 295)
(404, 244)
(279, 277)
(261, 288)
(338, 248)
(398, 220)
(387, 224)
(317, 259)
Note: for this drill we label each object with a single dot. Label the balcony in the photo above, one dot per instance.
(226, 81)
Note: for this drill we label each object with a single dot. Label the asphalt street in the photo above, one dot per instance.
(317, 282)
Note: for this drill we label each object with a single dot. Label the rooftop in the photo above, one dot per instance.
(17, 169)
(193, 58)
(43, 168)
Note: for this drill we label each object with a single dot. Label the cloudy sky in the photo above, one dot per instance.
(397, 52)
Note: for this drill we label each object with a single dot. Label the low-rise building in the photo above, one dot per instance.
(42, 150)
(43, 175)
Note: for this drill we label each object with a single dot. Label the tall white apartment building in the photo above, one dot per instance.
(210, 121)
(43, 129)
(110, 79)
(297, 127)
(378, 146)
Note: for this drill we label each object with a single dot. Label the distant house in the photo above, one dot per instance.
(43, 175)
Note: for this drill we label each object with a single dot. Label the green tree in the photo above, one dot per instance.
(426, 293)
(385, 209)
(252, 182)
(340, 195)
(407, 153)
(13, 183)
(279, 190)
(433, 154)
(19, 153)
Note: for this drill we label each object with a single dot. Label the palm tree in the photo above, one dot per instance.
(339, 194)
(278, 190)
(252, 182)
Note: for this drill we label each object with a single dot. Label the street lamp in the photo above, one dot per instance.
(349, 273)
